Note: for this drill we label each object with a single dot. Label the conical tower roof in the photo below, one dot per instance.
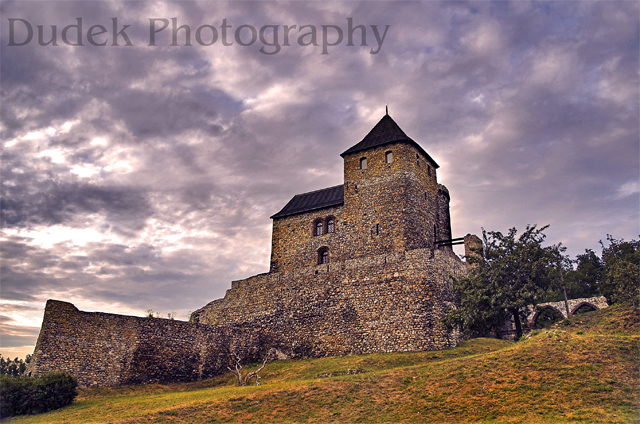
(386, 131)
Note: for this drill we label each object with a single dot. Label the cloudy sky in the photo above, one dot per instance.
(137, 174)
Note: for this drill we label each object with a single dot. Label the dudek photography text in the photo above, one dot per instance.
(171, 32)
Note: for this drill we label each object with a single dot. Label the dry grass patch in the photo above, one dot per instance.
(584, 370)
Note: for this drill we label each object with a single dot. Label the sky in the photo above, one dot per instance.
(139, 172)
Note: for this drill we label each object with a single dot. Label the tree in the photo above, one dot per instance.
(237, 369)
(620, 270)
(582, 281)
(14, 368)
(587, 276)
(508, 275)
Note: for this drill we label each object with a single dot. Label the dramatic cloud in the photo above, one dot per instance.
(143, 177)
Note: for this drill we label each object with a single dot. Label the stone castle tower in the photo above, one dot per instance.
(390, 202)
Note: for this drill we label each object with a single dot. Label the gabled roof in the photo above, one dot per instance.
(385, 132)
(313, 200)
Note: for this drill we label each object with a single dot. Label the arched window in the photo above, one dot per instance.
(331, 225)
(363, 163)
(388, 156)
(323, 255)
(318, 227)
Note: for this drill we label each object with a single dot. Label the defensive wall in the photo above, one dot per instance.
(384, 303)
(106, 349)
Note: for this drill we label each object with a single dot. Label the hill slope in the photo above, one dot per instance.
(585, 370)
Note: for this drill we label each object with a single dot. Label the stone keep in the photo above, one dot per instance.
(355, 267)
(390, 202)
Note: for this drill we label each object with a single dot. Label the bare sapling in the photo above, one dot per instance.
(237, 368)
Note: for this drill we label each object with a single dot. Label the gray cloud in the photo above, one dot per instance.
(143, 177)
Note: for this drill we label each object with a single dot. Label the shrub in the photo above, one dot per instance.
(35, 395)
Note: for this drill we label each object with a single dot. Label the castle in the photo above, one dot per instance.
(390, 202)
(362, 267)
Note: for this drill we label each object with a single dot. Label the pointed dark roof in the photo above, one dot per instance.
(313, 200)
(386, 131)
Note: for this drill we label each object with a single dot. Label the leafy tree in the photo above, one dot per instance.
(583, 280)
(587, 276)
(15, 367)
(507, 276)
(620, 270)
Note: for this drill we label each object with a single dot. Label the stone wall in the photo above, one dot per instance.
(381, 303)
(443, 217)
(388, 207)
(597, 302)
(106, 349)
(508, 331)
(294, 244)
(399, 197)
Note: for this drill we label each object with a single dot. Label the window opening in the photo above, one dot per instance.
(377, 229)
(331, 225)
(363, 163)
(323, 256)
(389, 156)
(319, 228)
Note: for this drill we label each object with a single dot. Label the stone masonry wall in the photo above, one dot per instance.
(399, 196)
(294, 244)
(106, 349)
(388, 207)
(382, 303)
(443, 217)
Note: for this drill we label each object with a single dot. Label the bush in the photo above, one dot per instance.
(35, 395)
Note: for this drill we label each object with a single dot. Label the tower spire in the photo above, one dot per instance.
(387, 107)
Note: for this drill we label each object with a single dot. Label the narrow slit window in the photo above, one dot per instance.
(363, 163)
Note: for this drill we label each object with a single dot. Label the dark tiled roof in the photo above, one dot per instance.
(386, 131)
(313, 200)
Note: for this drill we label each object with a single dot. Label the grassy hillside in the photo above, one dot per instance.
(585, 370)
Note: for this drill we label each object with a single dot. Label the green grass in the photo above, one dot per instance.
(585, 370)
